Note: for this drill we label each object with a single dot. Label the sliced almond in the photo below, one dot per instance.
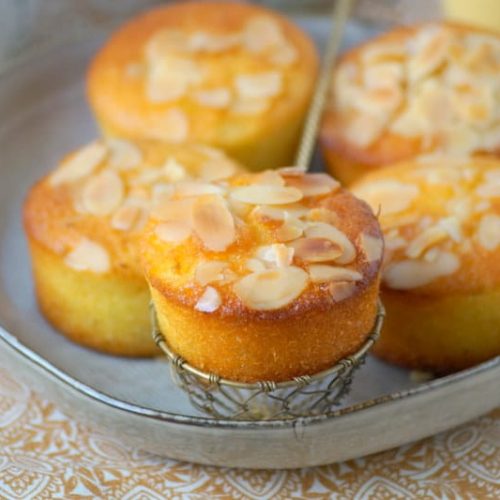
(364, 129)
(261, 33)
(209, 302)
(80, 164)
(488, 232)
(197, 188)
(372, 247)
(213, 223)
(341, 290)
(88, 256)
(103, 193)
(313, 184)
(255, 265)
(163, 42)
(277, 254)
(173, 231)
(269, 178)
(320, 273)
(218, 98)
(147, 176)
(489, 190)
(409, 274)
(125, 218)
(124, 155)
(284, 55)
(201, 41)
(210, 271)
(291, 229)
(161, 193)
(259, 85)
(323, 215)
(173, 127)
(337, 237)
(271, 289)
(425, 240)
(217, 168)
(316, 249)
(266, 195)
(174, 211)
(391, 196)
(173, 170)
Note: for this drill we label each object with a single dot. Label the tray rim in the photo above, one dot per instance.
(60, 376)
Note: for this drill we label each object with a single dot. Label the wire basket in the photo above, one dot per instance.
(266, 400)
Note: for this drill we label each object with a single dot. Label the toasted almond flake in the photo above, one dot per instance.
(161, 192)
(432, 46)
(378, 100)
(291, 229)
(174, 211)
(431, 255)
(391, 196)
(261, 33)
(380, 52)
(201, 41)
(125, 218)
(163, 42)
(489, 189)
(313, 184)
(372, 247)
(266, 213)
(341, 290)
(88, 255)
(255, 265)
(173, 231)
(277, 254)
(103, 193)
(217, 168)
(266, 195)
(409, 274)
(482, 206)
(291, 171)
(124, 155)
(174, 126)
(250, 106)
(210, 271)
(452, 227)
(197, 188)
(337, 237)
(218, 98)
(209, 302)
(488, 232)
(424, 240)
(383, 75)
(271, 289)
(80, 164)
(313, 249)
(364, 129)
(147, 176)
(259, 85)
(268, 177)
(284, 55)
(213, 223)
(323, 215)
(320, 273)
(173, 170)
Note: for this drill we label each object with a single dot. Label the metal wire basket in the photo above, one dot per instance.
(266, 400)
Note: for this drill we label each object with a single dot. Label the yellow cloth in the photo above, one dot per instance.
(46, 454)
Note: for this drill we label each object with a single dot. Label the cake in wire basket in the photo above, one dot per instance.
(441, 272)
(228, 74)
(264, 276)
(83, 224)
(430, 88)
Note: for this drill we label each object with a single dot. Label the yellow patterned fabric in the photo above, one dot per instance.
(46, 454)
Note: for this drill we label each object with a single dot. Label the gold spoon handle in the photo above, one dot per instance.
(339, 19)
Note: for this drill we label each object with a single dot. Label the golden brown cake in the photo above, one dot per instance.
(431, 88)
(441, 272)
(83, 223)
(232, 75)
(264, 276)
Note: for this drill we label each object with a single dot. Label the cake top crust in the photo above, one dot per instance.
(441, 223)
(90, 210)
(278, 242)
(202, 71)
(427, 88)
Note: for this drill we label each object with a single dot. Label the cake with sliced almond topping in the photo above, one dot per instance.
(441, 272)
(264, 276)
(431, 88)
(232, 75)
(83, 223)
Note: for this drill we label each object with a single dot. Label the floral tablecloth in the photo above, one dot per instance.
(46, 454)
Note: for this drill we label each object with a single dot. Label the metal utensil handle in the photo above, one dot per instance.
(308, 141)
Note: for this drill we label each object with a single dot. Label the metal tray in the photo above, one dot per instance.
(44, 115)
